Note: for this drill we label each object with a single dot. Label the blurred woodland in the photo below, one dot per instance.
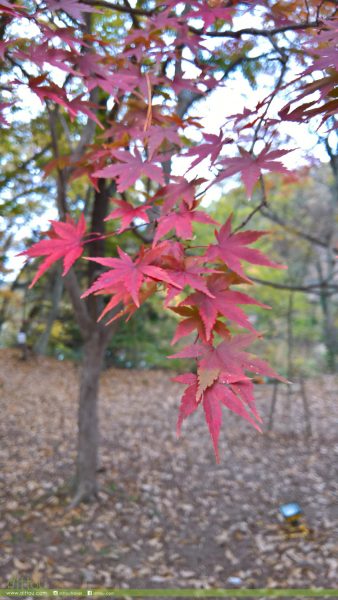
(300, 330)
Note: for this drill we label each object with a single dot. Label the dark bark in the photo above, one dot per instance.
(96, 338)
(86, 487)
(97, 247)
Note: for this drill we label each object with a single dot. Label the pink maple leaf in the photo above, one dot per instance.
(190, 323)
(66, 242)
(130, 169)
(157, 135)
(251, 167)
(223, 301)
(130, 273)
(180, 190)
(230, 394)
(232, 248)
(212, 147)
(181, 222)
(66, 34)
(127, 213)
(121, 296)
(40, 54)
(73, 8)
(185, 271)
(229, 357)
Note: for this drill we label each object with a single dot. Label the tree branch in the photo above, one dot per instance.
(123, 9)
(80, 309)
(312, 288)
(249, 217)
(256, 32)
(269, 214)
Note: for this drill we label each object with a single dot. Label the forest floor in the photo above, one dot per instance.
(168, 515)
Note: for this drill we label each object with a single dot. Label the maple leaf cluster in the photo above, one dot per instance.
(198, 284)
(222, 367)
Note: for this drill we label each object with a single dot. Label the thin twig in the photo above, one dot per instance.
(311, 288)
(256, 32)
(258, 208)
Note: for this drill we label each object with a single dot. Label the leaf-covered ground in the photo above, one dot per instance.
(168, 516)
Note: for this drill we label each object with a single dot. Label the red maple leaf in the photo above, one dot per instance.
(233, 394)
(155, 137)
(78, 105)
(131, 274)
(184, 271)
(66, 242)
(174, 193)
(194, 322)
(127, 213)
(123, 297)
(228, 358)
(181, 221)
(58, 95)
(231, 249)
(221, 301)
(74, 8)
(191, 323)
(251, 166)
(40, 54)
(51, 91)
(130, 169)
(212, 147)
(66, 34)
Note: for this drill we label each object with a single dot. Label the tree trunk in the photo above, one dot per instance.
(88, 433)
(329, 330)
(290, 340)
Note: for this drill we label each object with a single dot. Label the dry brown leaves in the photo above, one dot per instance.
(168, 515)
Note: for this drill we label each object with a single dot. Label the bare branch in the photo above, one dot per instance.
(256, 32)
(249, 217)
(314, 288)
(119, 8)
(269, 214)
(229, 34)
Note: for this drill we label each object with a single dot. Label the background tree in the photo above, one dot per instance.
(301, 219)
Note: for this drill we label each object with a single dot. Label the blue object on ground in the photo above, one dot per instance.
(292, 509)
